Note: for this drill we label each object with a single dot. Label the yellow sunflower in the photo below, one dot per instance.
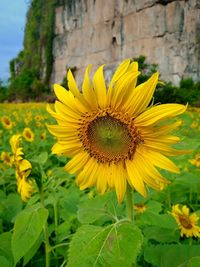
(43, 135)
(22, 167)
(140, 208)
(196, 160)
(113, 135)
(6, 122)
(188, 224)
(6, 158)
(24, 186)
(28, 134)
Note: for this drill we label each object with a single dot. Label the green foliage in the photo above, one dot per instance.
(9, 207)
(39, 33)
(6, 257)
(103, 207)
(27, 229)
(3, 92)
(27, 86)
(115, 245)
(31, 69)
(171, 255)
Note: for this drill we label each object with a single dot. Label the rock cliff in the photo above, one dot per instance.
(102, 31)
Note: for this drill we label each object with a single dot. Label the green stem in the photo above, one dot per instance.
(55, 206)
(46, 232)
(129, 203)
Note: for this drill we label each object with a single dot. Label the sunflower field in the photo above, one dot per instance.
(107, 206)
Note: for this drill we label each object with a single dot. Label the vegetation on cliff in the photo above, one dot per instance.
(31, 69)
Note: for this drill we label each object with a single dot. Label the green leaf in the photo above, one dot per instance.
(10, 207)
(69, 200)
(93, 209)
(42, 158)
(6, 257)
(115, 245)
(63, 231)
(27, 229)
(164, 220)
(4, 262)
(162, 235)
(194, 262)
(170, 255)
(96, 208)
(31, 252)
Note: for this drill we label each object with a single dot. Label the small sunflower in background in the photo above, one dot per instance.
(28, 134)
(113, 135)
(43, 135)
(38, 117)
(140, 207)
(188, 224)
(196, 160)
(6, 158)
(6, 122)
(22, 168)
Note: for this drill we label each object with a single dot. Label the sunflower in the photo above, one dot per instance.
(22, 168)
(114, 135)
(196, 160)
(28, 134)
(24, 186)
(188, 224)
(43, 135)
(6, 122)
(6, 158)
(140, 207)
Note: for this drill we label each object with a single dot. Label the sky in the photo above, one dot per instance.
(12, 23)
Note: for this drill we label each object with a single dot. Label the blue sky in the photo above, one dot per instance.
(12, 23)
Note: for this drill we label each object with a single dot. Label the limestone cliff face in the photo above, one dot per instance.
(102, 31)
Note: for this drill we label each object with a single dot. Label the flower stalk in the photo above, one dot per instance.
(129, 203)
(46, 232)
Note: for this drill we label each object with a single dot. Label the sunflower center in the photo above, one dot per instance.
(28, 135)
(7, 121)
(109, 137)
(185, 222)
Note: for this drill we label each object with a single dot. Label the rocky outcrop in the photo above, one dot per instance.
(101, 31)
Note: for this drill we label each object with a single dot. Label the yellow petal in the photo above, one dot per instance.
(77, 162)
(158, 113)
(61, 131)
(88, 91)
(161, 161)
(100, 87)
(59, 118)
(24, 165)
(150, 170)
(121, 87)
(142, 95)
(88, 176)
(101, 179)
(65, 112)
(120, 71)
(64, 96)
(120, 182)
(110, 176)
(69, 150)
(135, 178)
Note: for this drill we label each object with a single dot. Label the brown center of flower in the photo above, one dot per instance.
(7, 122)
(109, 136)
(28, 135)
(185, 222)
